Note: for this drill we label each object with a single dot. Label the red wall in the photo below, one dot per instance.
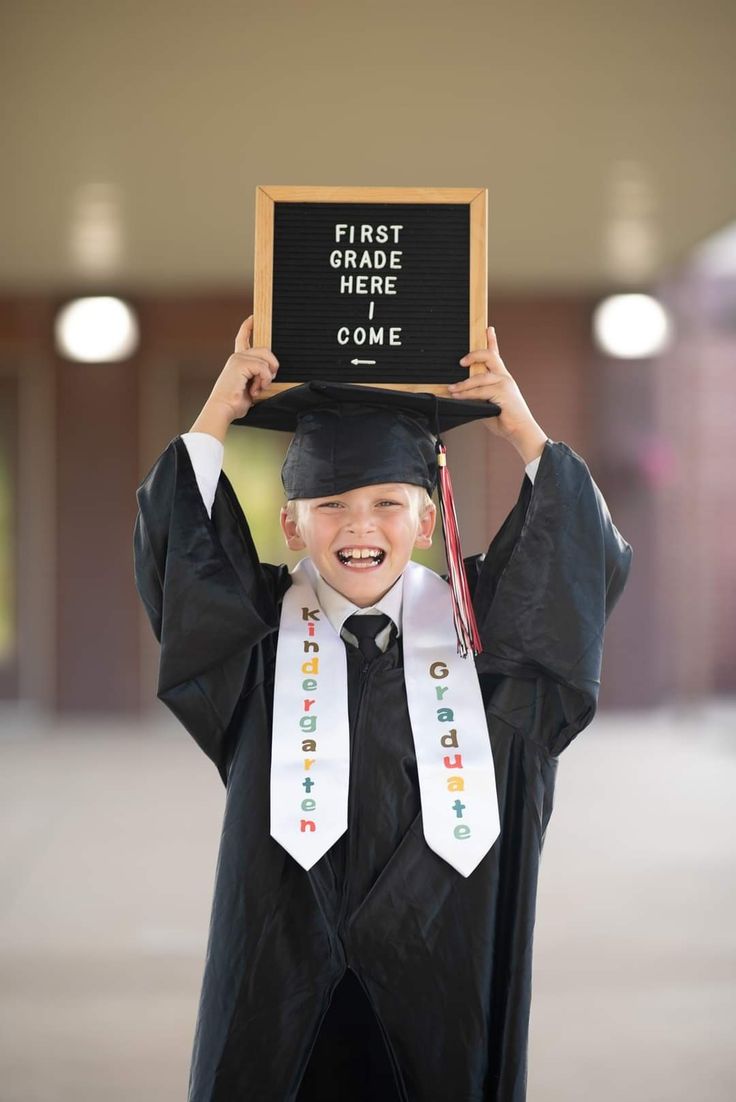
(668, 636)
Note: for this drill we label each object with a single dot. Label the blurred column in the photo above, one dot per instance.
(96, 478)
(696, 409)
(628, 451)
(25, 364)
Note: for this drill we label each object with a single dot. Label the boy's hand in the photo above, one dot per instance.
(515, 422)
(247, 373)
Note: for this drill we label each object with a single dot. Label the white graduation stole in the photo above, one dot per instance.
(310, 757)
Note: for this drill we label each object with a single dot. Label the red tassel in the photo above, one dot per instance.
(466, 627)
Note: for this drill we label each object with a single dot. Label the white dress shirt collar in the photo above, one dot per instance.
(338, 608)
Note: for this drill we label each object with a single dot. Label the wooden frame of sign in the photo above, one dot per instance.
(384, 286)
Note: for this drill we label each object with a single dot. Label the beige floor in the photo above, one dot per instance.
(109, 839)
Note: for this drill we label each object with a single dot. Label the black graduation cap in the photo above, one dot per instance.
(348, 435)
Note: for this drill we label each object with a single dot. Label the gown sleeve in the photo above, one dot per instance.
(542, 596)
(208, 598)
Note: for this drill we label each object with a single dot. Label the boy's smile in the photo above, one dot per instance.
(361, 558)
(360, 541)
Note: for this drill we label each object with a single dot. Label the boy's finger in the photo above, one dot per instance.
(480, 378)
(263, 378)
(266, 354)
(242, 340)
(486, 378)
(481, 356)
(267, 376)
(252, 360)
(260, 355)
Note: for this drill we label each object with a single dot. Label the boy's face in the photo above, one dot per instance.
(382, 521)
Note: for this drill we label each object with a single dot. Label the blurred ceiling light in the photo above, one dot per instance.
(631, 326)
(96, 229)
(631, 252)
(101, 329)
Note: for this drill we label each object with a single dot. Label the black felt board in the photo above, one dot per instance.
(429, 310)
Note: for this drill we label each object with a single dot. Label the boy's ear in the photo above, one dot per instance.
(426, 527)
(291, 533)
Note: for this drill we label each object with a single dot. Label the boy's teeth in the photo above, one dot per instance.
(358, 554)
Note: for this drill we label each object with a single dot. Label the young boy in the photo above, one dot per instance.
(371, 933)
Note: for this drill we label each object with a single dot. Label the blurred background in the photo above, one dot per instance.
(134, 136)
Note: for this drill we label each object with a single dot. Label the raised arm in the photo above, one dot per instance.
(208, 598)
(246, 374)
(551, 577)
(543, 594)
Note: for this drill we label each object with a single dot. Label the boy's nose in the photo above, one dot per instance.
(360, 522)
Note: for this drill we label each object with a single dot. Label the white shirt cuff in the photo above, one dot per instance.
(531, 468)
(206, 453)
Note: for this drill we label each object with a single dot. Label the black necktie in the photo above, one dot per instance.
(365, 629)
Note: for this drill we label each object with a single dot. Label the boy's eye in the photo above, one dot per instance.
(341, 505)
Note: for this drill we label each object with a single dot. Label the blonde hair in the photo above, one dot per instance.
(420, 499)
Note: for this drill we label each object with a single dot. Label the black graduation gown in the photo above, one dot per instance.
(382, 972)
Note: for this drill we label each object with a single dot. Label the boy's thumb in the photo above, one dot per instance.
(242, 340)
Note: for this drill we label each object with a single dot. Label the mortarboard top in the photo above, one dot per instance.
(284, 409)
(348, 435)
